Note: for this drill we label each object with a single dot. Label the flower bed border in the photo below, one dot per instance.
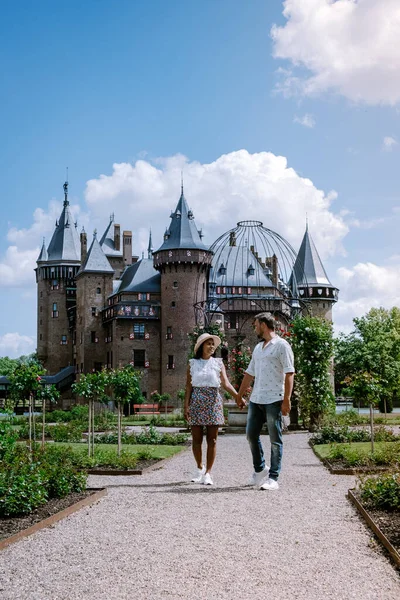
(348, 470)
(89, 500)
(374, 527)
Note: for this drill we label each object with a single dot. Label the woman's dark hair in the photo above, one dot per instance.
(199, 353)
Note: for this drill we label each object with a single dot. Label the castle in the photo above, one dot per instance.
(102, 306)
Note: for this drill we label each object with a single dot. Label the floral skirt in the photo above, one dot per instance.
(205, 407)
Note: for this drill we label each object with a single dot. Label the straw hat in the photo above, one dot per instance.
(206, 336)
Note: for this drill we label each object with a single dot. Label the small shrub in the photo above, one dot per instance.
(145, 454)
(22, 485)
(351, 456)
(66, 432)
(8, 436)
(382, 492)
(149, 435)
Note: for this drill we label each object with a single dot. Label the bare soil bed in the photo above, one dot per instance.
(389, 524)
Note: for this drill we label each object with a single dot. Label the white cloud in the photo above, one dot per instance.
(389, 143)
(344, 46)
(236, 186)
(14, 345)
(16, 268)
(362, 287)
(306, 120)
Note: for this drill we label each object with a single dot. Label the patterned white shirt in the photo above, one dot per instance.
(268, 366)
(205, 372)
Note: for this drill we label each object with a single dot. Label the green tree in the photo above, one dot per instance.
(46, 393)
(25, 383)
(92, 387)
(8, 365)
(373, 347)
(312, 342)
(368, 387)
(125, 387)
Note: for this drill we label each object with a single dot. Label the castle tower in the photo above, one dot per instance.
(56, 292)
(313, 283)
(94, 283)
(183, 261)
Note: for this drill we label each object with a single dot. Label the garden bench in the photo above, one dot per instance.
(146, 409)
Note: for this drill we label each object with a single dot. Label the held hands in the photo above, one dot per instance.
(240, 401)
(186, 413)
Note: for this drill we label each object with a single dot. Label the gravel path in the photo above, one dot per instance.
(158, 537)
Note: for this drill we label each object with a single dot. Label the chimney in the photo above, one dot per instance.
(117, 237)
(83, 246)
(127, 247)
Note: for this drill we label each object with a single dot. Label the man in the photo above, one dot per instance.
(272, 369)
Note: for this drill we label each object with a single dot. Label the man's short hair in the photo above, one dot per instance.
(267, 318)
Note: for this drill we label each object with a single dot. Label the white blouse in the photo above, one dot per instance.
(205, 372)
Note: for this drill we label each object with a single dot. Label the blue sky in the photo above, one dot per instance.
(127, 94)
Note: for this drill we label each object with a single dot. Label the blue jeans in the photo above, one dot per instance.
(271, 414)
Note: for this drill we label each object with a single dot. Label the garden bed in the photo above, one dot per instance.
(141, 467)
(385, 525)
(338, 467)
(13, 529)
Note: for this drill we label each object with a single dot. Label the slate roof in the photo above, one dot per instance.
(43, 257)
(95, 261)
(140, 277)
(239, 263)
(65, 244)
(107, 242)
(308, 266)
(182, 232)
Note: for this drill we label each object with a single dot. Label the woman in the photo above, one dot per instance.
(203, 403)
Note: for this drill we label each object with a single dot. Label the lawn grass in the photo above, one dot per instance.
(323, 450)
(157, 451)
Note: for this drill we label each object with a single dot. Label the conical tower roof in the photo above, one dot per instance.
(95, 261)
(43, 257)
(308, 266)
(182, 232)
(64, 245)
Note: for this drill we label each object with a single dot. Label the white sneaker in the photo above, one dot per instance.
(271, 484)
(198, 475)
(257, 478)
(207, 479)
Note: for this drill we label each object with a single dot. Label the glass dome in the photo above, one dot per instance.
(251, 271)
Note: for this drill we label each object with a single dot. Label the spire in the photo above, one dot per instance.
(43, 253)
(308, 266)
(150, 247)
(95, 261)
(64, 244)
(182, 232)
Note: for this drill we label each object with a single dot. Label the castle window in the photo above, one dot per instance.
(40, 336)
(139, 358)
(81, 337)
(138, 331)
(175, 284)
(140, 296)
(81, 367)
(170, 364)
(173, 304)
(249, 290)
(54, 284)
(98, 290)
(98, 366)
(54, 312)
(94, 311)
(168, 335)
(147, 296)
(41, 294)
(41, 322)
(41, 309)
(231, 321)
(63, 340)
(93, 337)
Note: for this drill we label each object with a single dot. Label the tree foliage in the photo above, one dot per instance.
(371, 352)
(312, 342)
